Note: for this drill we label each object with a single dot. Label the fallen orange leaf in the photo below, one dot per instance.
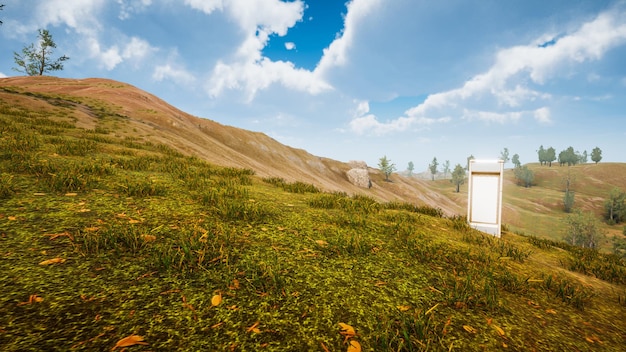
(128, 341)
(324, 347)
(254, 328)
(499, 330)
(52, 261)
(354, 347)
(216, 300)
(31, 299)
(550, 311)
(347, 330)
(148, 238)
(469, 329)
(404, 308)
(321, 242)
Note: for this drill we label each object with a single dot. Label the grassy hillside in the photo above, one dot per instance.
(105, 237)
(538, 210)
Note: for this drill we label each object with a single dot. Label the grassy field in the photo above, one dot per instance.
(112, 242)
(538, 210)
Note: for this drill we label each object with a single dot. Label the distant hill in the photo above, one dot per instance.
(125, 222)
(128, 112)
(133, 113)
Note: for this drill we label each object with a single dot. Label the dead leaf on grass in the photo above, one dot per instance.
(324, 347)
(254, 328)
(403, 308)
(216, 300)
(354, 346)
(469, 329)
(53, 236)
(31, 299)
(498, 330)
(321, 243)
(52, 261)
(128, 341)
(148, 238)
(347, 330)
(550, 311)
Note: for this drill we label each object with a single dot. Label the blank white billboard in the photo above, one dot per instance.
(485, 196)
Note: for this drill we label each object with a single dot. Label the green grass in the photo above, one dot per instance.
(148, 236)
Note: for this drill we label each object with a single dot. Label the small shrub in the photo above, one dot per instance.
(7, 187)
(141, 188)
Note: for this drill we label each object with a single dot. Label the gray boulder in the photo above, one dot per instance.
(358, 174)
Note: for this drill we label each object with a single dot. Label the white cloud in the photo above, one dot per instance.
(249, 70)
(337, 52)
(206, 6)
(487, 96)
(290, 45)
(168, 71)
(542, 115)
(128, 7)
(79, 15)
(2, 75)
(489, 116)
(257, 75)
(135, 49)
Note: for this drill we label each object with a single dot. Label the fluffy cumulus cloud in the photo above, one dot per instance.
(173, 71)
(79, 15)
(337, 52)
(81, 18)
(507, 91)
(248, 70)
(129, 49)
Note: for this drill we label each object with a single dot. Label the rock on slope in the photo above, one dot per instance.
(150, 118)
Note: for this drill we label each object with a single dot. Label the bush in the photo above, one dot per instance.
(524, 176)
(582, 230)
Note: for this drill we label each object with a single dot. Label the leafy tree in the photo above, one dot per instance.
(550, 156)
(596, 155)
(458, 176)
(615, 207)
(471, 157)
(568, 197)
(542, 153)
(515, 161)
(584, 157)
(386, 166)
(619, 245)
(446, 168)
(569, 157)
(504, 155)
(36, 59)
(524, 176)
(568, 201)
(582, 230)
(433, 167)
(410, 168)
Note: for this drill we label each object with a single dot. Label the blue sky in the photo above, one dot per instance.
(357, 80)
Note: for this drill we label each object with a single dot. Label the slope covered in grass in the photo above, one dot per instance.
(105, 236)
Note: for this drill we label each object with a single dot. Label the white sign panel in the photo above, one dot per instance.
(484, 211)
